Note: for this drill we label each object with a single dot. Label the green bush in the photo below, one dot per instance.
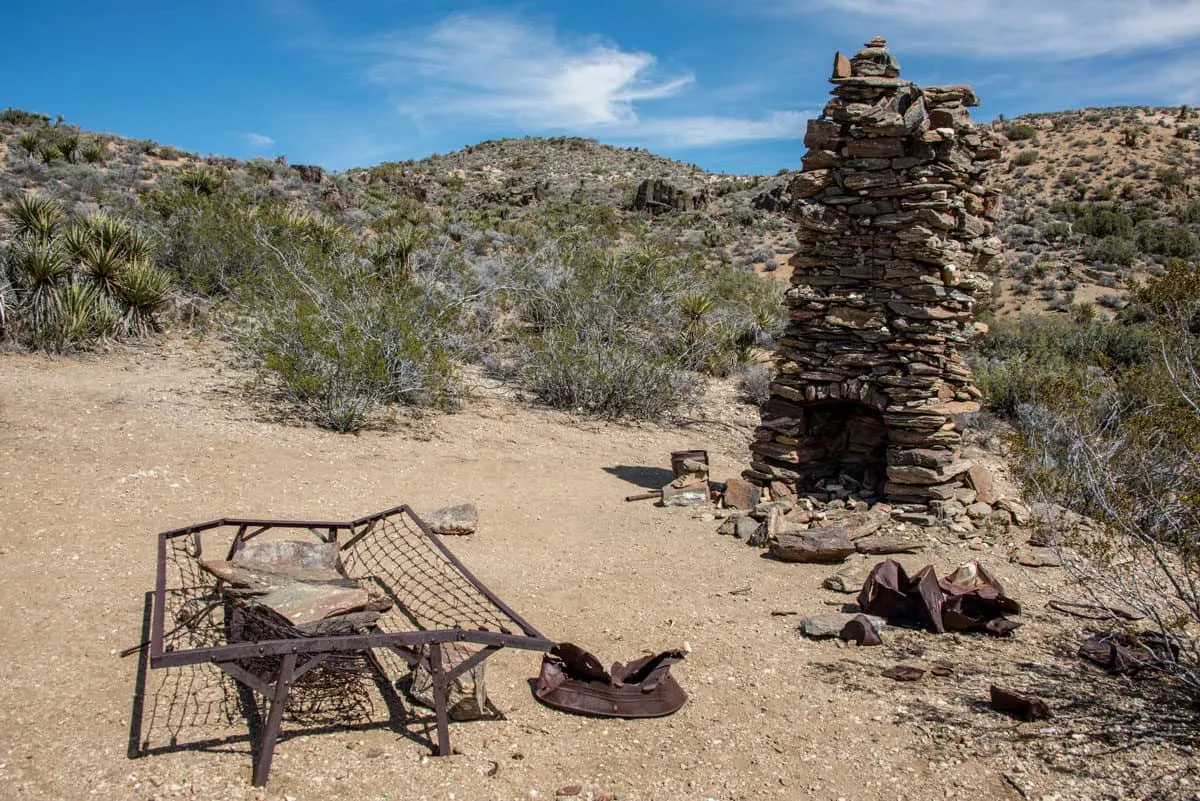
(1020, 131)
(339, 341)
(1024, 158)
(625, 332)
(1168, 240)
(1115, 250)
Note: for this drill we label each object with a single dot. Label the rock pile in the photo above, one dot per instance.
(657, 196)
(894, 231)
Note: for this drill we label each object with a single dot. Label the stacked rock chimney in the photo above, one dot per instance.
(894, 231)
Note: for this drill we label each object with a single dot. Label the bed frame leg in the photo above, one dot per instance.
(439, 698)
(266, 749)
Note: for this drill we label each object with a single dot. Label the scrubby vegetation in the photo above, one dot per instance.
(1108, 422)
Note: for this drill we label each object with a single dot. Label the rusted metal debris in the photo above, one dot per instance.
(1026, 707)
(861, 631)
(903, 673)
(1124, 652)
(969, 599)
(573, 680)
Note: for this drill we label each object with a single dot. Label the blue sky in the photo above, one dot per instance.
(727, 85)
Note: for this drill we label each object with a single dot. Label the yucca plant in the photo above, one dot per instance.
(113, 233)
(29, 142)
(39, 270)
(144, 290)
(34, 216)
(102, 266)
(83, 316)
(94, 151)
(68, 146)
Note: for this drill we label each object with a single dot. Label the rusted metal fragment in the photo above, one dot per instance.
(926, 595)
(1026, 707)
(903, 673)
(885, 592)
(693, 494)
(862, 631)
(970, 599)
(1121, 652)
(573, 680)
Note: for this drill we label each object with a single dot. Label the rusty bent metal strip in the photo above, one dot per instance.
(573, 680)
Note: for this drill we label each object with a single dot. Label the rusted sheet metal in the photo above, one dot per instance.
(572, 679)
(970, 599)
(1026, 707)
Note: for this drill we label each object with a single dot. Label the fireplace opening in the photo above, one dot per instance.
(843, 448)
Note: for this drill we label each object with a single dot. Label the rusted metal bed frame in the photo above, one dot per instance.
(436, 598)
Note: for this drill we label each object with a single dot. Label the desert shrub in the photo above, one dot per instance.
(754, 386)
(1020, 131)
(339, 341)
(1098, 219)
(16, 116)
(1168, 240)
(1115, 250)
(1170, 176)
(1113, 434)
(1024, 158)
(625, 331)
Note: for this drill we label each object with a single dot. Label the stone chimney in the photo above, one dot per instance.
(894, 231)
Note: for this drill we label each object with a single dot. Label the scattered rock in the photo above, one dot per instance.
(1033, 556)
(819, 545)
(454, 520)
(978, 510)
(741, 494)
(831, 624)
(850, 581)
(1020, 513)
(886, 543)
(568, 791)
(980, 479)
(863, 524)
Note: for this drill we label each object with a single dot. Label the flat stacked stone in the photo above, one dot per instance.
(895, 229)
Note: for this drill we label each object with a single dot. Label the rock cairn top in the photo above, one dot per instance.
(895, 231)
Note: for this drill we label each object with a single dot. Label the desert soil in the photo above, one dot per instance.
(98, 454)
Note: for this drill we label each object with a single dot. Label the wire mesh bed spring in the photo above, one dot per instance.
(428, 597)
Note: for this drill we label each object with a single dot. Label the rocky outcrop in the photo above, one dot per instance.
(657, 196)
(895, 231)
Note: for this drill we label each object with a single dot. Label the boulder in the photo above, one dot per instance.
(741, 494)
(831, 624)
(820, 545)
(454, 520)
(980, 479)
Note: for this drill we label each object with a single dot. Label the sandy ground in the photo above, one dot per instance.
(99, 454)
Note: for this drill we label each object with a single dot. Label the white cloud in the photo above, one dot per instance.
(505, 69)
(258, 140)
(1047, 29)
(500, 67)
(704, 131)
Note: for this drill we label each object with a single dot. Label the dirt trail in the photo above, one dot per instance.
(98, 454)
